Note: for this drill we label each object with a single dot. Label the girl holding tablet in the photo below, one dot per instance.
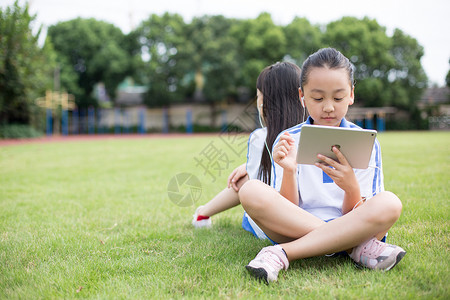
(313, 210)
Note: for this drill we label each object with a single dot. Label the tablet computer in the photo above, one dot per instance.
(356, 144)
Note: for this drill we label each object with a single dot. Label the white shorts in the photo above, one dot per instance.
(250, 225)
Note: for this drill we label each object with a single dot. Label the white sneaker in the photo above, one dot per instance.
(269, 261)
(374, 254)
(200, 222)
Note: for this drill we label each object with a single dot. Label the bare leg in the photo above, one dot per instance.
(303, 235)
(349, 230)
(279, 218)
(226, 199)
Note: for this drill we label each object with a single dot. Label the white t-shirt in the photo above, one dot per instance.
(318, 194)
(255, 148)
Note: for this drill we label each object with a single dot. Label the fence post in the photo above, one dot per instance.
(64, 122)
(82, 117)
(369, 120)
(99, 121)
(91, 120)
(224, 120)
(116, 120)
(360, 123)
(165, 120)
(49, 123)
(142, 120)
(75, 121)
(189, 125)
(126, 124)
(381, 125)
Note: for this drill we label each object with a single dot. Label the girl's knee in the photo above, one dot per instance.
(393, 203)
(388, 207)
(250, 193)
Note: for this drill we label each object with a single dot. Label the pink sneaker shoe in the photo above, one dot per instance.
(374, 254)
(200, 221)
(269, 261)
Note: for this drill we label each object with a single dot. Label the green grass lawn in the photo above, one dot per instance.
(93, 220)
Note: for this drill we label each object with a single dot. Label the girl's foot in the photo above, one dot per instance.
(200, 221)
(269, 261)
(374, 254)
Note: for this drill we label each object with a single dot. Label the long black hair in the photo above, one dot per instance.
(279, 84)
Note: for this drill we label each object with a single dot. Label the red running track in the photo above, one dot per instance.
(95, 137)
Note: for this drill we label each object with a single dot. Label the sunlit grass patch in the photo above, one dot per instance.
(94, 220)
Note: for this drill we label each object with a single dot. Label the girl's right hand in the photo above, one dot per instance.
(285, 152)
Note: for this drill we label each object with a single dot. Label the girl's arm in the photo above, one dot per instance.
(289, 188)
(284, 154)
(343, 175)
(236, 176)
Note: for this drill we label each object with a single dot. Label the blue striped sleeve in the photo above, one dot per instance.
(376, 184)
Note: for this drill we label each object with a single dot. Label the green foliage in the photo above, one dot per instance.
(212, 59)
(18, 131)
(388, 69)
(303, 39)
(366, 44)
(91, 51)
(408, 79)
(211, 54)
(160, 40)
(25, 68)
(259, 43)
(93, 220)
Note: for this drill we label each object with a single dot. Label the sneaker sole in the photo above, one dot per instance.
(202, 226)
(259, 273)
(399, 257)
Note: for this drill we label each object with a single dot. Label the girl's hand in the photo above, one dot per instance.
(285, 152)
(235, 176)
(341, 172)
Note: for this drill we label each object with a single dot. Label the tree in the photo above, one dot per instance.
(25, 68)
(407, 77)
(366, 44)
(212, 54)
(187, 61)
(260, 43)
(388, 71)
(132, 47)
(160, 39)
(213, 60)
(304, 39)
(91, 51)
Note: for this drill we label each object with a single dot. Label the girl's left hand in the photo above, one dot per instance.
(236, 176)
(341, 172)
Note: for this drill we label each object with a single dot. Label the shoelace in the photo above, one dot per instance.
(272, 259)
(373, 248)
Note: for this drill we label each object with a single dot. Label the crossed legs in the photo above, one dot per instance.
(303, 235)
